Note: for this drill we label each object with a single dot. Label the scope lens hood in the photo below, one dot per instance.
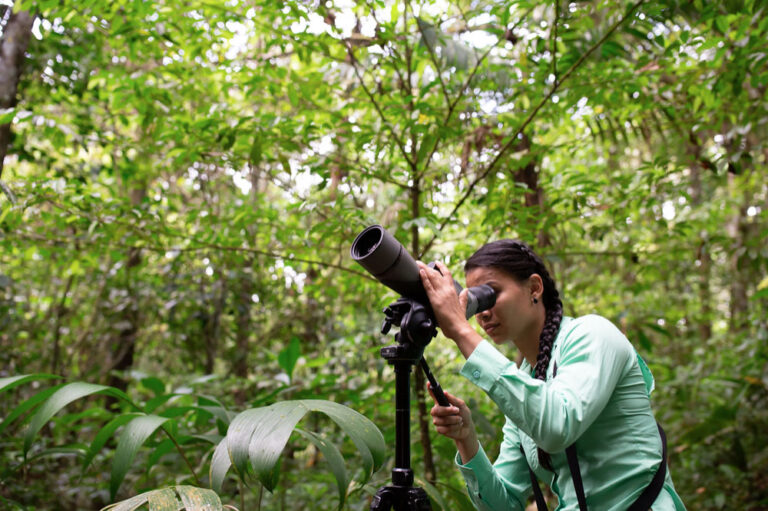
(376, 250)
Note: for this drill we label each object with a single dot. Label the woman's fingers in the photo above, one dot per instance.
(444, 271)
(456, 401)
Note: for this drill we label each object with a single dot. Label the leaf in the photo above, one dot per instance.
(129, 504)
(198, 498)
(259, 436)
(77, 450)
(288, 357)
(103, 436)
(133, 437)
(7, 191)
(335, 460)
(433, 494)
(61, 398)
(7, 115)
(27, 405)
(220, 464)
(164, 499)
(154, 384)
(13, 381)
(460, 499)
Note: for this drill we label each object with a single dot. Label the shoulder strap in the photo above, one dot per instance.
(648, 497)
(642, 503)
(573, 466)
(541, 504)
(650, 493)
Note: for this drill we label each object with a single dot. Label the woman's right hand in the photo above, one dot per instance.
(454, 421)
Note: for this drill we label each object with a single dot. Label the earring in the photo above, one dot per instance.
(535, 300)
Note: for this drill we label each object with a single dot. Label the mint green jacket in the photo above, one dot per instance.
(599, 399)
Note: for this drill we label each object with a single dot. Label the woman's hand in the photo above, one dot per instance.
(450, 309)
(455, 422)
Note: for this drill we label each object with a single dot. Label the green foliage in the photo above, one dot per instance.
(165, 499)
(254, 439)
(182, 186)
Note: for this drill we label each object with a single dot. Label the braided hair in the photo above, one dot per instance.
(517, 260)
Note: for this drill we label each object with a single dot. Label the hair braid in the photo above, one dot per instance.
(518, 260)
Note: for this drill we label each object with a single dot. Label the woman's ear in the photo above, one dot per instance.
(536, 285)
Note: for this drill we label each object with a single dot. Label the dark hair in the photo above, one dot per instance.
(516, 259)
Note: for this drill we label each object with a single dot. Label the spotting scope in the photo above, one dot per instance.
(386, 259)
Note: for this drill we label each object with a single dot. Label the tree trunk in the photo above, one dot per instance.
(703, 256)
(430, 473)
(13, 46)
(124, 346)
(534, 197)
(242, 308)
(61, 310)
(213, 327)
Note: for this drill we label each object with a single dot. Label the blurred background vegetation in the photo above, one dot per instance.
(181, 183)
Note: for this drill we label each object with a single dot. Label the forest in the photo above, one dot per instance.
(181, 323)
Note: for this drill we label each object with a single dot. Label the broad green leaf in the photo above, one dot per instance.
(163, 500)
(133, 437)
(287, 357)
(364, 433)
(461, 501)
(61, 398)
(220, 464)
(129, 504)
(103, 436)
(13, 381)
(269, 438)
(260, 434)
(198, 498)
(28, 405)
(335, 460)
(154, 384)
(75, 451)
(433, 493)
(6, 115)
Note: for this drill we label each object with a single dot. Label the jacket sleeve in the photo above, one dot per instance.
(593, 357)
(503, 486)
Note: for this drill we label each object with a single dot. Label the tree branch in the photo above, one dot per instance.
(199, 247)
(376, 105)
(464, 87)
(525, 124)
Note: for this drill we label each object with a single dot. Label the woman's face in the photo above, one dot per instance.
(514, 314)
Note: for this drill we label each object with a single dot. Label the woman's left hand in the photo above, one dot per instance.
(450, 309)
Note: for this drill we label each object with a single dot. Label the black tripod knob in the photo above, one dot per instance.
(401, 498)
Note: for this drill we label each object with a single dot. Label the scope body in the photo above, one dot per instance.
(385, 258)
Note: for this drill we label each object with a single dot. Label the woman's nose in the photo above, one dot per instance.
(485, 315)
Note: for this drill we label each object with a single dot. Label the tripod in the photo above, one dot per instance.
(417, 328)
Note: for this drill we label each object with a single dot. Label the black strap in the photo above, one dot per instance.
(573, 466)
(648, 497)
(541, 504)
(642, 503)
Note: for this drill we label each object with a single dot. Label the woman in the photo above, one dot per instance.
(580, 384)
